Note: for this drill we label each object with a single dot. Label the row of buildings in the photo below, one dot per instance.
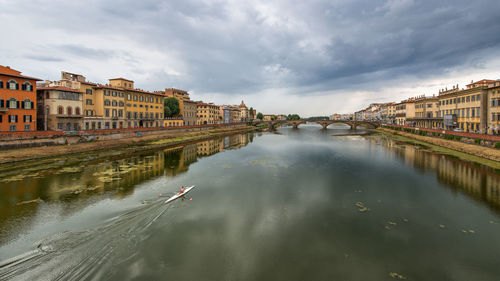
(73, 104)
(474, 109)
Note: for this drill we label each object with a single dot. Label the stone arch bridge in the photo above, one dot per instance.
(324, 123)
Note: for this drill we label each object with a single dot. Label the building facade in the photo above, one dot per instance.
(208, 113)
(187, 108)
(244, 114)
(17, 101)
(494, 108)
(467, 106)
(59, 109)
(426, 113)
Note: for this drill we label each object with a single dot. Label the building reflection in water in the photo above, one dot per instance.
(479, 182)
(79, 187)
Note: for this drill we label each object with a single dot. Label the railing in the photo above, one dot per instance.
(13, 135)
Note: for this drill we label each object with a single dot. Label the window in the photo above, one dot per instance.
(1, 117)
(129, 97)
(77, 111)
(473, 98)
(478, 97)
(69, 111)
(75, 126)
(12, 118)
(120, 113)
(121, 103)
(27, 127)
(463, 99)
(1, 84)
(69, 95)
(28, 104)
(135, 97)
(107, 102)
(13, 103)
(12, 128)
(114, 103)
(12, 85)
(141, 98)
(106, 92)
(467, 98)
(107, 112)
(88, 92)
(27, 87)
(114, 113)
(113, 94)
(88, 102)
(27, 118)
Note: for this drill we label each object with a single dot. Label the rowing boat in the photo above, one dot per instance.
(177, 195)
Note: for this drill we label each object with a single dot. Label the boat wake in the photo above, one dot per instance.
(85, 255)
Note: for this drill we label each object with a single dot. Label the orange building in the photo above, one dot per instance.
(17, 101)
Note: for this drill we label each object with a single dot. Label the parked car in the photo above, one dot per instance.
(457, 130)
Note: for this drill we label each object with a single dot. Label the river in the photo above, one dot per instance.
(295, 204)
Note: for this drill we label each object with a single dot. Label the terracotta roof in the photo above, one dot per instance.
(121, 79)
(58, 88)
(21, 76)
(88, 83)
(482, 82)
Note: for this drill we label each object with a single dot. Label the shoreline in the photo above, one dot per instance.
(126, 145)
(467, 152)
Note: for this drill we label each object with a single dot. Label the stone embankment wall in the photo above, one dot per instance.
(15, 140)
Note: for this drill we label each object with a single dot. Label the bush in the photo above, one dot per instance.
(477, 141)
(457, 138)
(497, 145)
(448, 137)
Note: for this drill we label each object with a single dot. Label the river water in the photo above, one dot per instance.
(297, 204)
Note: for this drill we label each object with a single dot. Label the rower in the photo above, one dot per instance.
(181, 190)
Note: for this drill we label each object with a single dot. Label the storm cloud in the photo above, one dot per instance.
(310, 57)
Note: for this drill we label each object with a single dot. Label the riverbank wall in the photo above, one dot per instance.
(17, 140)
(132, 142)
(484, 148)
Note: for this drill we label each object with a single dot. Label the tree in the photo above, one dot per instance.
(260, 116)
(293, 117)
(171, 107)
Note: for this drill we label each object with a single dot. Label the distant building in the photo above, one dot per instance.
(244, 114)
(188, 109)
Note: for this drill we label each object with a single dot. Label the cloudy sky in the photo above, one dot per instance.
(307, 57)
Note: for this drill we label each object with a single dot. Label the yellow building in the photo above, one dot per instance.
(208, 113)
(467, 106)
(426, 113)
(143, 108)
(115, 105)
(494, 108)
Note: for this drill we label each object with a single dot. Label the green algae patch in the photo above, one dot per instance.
(38, 200)
(396, 275)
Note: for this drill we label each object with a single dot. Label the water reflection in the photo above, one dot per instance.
(476, 181)
(77, 187)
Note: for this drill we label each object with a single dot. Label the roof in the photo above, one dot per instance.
(482, 82)
(20, 76)
(59, 88)
(121, 79)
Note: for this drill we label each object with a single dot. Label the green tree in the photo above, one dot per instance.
(171, 107)
(260, 116)
(293, 117)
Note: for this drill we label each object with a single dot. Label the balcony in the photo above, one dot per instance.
(4, 109)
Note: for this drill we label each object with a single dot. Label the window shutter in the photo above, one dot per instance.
(1, 84)
(16, 118)
(17, 104)
(22, 104)
(23, 87)
(1, 103)
(17, 86)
